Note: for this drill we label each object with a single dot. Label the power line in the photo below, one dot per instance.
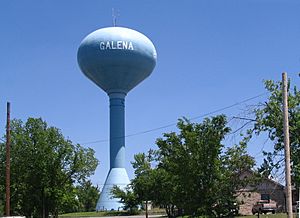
(175, 123)
(243, 118)
(227, 107)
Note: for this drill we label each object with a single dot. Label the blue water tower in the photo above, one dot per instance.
(116, 59)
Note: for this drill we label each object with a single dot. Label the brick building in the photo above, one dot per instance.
(266, 189)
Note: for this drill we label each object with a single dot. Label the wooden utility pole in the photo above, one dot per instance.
(287, 145)
(146, 208)
(7, 205)
(298, 204)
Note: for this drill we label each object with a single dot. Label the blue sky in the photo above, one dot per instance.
(211, 54)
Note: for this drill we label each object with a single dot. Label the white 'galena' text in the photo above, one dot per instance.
(108, 45)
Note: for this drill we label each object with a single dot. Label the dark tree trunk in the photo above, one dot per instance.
(146, 208)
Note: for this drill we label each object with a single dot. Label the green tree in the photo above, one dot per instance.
(143, 182)
(269, 119)
(192, 158)
(190, 173)
(44, 168)
(152, 183)
(236, 163)
(128, 197)
(87, 196)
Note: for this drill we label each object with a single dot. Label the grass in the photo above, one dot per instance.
(95, 214)
(124, 213)
(277, 215)
(154, 211)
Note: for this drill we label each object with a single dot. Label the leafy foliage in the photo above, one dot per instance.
(192, 159)
(87, 195)
(44, 168)
(236, 163)
(127, 197)
(269, 119)
(189, 174)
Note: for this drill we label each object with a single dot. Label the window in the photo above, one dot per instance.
(265, 197)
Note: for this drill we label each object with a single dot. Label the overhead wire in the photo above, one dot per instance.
(175, 123)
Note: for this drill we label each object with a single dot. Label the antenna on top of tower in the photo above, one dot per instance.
(114, 16)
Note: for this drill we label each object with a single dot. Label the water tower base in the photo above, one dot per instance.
(116, 176)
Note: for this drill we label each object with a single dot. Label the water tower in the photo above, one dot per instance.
(116, 59)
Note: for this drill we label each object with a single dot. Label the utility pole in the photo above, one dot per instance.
(287, 146)
(7, 205)
(146, 208)
(298, 204)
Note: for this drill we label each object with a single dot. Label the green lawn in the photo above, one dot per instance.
(120, 213)
(94, 214)
(278, 215)
(109, 213)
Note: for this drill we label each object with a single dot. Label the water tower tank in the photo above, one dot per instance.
(116, 59)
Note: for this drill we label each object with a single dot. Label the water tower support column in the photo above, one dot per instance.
(117, 129)
(117, 174)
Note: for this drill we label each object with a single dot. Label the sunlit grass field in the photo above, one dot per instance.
(94, 214)
(154, 211)
(122, 213)
(278, 215)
